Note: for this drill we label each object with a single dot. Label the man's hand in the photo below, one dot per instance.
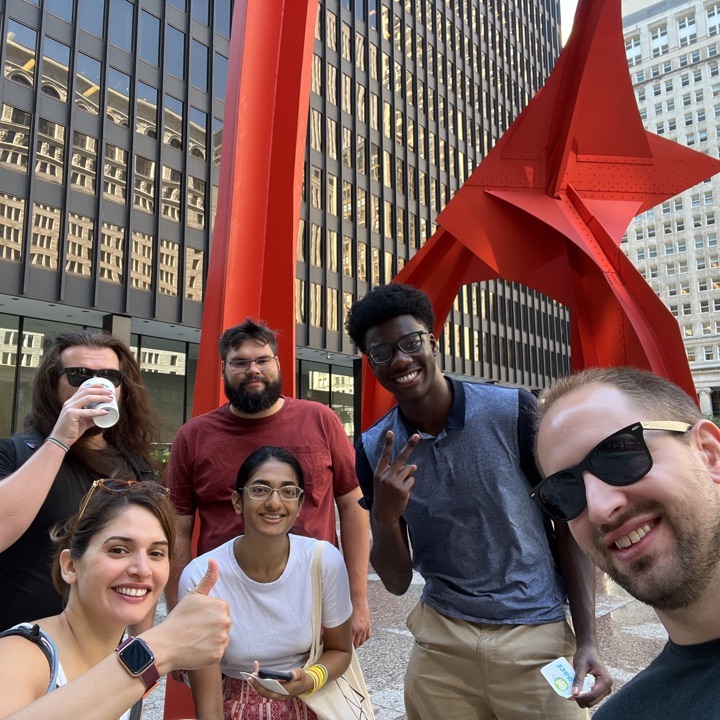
(392, 483)
(75, 417)
(587, 662)
(360, 623)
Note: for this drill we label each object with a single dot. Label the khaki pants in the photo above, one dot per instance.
(473, 671)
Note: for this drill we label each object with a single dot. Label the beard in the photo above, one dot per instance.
(254, 402)
(673, 581)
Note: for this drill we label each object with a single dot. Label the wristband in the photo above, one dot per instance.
(62, 445)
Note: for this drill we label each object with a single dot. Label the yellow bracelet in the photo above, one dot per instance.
(319, 676)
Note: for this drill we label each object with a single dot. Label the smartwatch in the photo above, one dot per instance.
(139, 660)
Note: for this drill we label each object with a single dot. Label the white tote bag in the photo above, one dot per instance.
(347, 697)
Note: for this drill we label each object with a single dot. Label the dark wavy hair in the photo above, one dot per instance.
(385, 303)
(138, 422)
(257, 332)
(264, 454)
(102, 508)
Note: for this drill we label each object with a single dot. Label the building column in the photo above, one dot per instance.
(118, 326)
(705, 398)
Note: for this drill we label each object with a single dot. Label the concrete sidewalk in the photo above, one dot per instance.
(630, 636)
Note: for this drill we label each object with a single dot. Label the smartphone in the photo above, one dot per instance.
(271, 675)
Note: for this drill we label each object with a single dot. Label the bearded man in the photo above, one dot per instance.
(633, 468)
(208, 451)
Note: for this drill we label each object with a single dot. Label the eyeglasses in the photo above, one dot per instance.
(76, 376)
(288, 493)
(263, 364)
(620, 459)
(114, 486)
(409, 344)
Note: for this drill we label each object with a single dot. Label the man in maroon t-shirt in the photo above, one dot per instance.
(208, 451)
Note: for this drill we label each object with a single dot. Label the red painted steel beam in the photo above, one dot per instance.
(550, 203)
(253, 250)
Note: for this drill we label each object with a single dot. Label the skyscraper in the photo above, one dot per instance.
(672, 49)
(110, 140)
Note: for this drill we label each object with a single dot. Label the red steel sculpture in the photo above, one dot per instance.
(549, 204)
(253, 254)
(546, 208)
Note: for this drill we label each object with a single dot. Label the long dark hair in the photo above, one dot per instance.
(138, 422)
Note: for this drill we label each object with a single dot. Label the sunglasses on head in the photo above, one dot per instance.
(76, 376)
(115, 486)
(620, 459)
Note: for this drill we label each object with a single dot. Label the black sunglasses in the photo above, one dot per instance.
(76, 376)
(620, 459)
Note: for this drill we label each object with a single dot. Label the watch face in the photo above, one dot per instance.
(137, 657)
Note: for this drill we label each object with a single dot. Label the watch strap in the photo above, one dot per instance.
(148, 674)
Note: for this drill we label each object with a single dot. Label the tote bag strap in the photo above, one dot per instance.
(316, 649)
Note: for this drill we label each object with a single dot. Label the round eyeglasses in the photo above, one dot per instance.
(241, 365)
(288, 493)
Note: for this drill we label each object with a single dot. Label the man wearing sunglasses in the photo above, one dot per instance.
(634, 468)
(46, 471)
(208, 451)
(446, 476)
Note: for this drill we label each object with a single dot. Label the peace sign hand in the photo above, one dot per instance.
(392, 482)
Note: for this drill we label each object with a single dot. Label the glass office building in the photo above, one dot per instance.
(111, 115)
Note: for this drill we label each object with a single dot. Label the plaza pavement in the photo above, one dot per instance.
(630, 636)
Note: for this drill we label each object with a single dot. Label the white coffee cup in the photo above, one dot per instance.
(113, 412)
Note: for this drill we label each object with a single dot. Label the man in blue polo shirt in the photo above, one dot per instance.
(492, 612)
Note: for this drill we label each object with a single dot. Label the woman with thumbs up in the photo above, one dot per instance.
(112, 561)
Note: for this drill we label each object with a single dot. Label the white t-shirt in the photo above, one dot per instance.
(272, 622)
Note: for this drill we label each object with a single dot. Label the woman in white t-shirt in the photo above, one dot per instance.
(265, 577)
(112, 562)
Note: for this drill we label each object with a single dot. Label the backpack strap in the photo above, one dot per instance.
(25, 445)
(33, 633)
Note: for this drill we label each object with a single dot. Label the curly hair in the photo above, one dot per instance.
(257, 332)
(102, 508)
(138, 422)
(385, 303)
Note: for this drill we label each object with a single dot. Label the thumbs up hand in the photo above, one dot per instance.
(196, 633)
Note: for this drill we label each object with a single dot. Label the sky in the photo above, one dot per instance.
(567, 13)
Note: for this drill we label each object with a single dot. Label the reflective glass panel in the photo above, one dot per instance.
(222, 17)
(146, 112)
(141, 260)
(120, 27)
(14, 138)
(9, 348)
(112, 243)
(118, 97)
(50, 151)
(174, 52)
(201, 11)
(56, 62)
(149, 38)
(169, 267)
(87, 83)
(12, 220)
(196, 203)
(83, 168)
(173, 122)
(80, 242)
(60, 8)
(44, 242)
(198, 133)
(194, 266)
(115, 174)
(20, 58)
(91, 17)
(171, 193)
(144, 184)
(199, 66)
(217, 140)
(220, 68)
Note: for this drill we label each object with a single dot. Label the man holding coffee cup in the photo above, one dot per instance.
(90, 418)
